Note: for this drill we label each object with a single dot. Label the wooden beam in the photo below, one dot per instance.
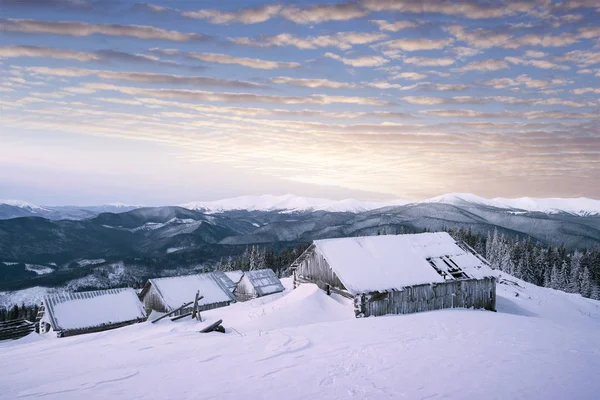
(212, 326)
(195, 310)
(177, 318)
(172, 312)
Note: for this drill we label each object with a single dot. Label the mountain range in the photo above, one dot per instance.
(290, 203)
(115, 244)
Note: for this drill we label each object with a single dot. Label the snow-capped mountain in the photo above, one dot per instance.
(577, 206)
(23, 204)
(291, 203)
(288, 203)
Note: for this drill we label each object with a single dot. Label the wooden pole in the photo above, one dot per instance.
(181, 316)
(212, 327)
(172, 312)
(195, 310)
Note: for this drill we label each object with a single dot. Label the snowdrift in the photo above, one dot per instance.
(306, 305)
(541, 344)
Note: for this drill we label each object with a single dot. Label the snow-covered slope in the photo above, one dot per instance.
(286, 202)
(541, 344)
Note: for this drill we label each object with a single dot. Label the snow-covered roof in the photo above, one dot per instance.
(224, 279)
(235, 276)
(74, 311)
(264, 281)
(379, 263)
(178, 290)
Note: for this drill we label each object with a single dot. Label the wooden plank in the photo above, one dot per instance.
(181, 316)
(212, 326)
(195, 310)
(172, 312)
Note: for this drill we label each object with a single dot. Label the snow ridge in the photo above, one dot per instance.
(288, 203)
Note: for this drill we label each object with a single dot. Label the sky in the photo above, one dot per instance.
(175, 101)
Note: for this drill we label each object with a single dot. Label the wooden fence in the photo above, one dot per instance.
(15, 329)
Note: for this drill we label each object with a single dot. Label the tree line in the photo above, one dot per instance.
(15, 312)
(259, 257)
(543, 265)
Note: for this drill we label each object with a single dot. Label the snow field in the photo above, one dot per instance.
(541, 344)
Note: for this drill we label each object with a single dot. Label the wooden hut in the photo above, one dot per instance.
(257, 283)
(235, 276)
(225, 280)
(168, 294)
(71, 314)
(399, 274)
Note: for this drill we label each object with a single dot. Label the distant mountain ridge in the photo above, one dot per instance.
(288, 203)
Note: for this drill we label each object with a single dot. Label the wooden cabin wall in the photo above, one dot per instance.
(245, 290)
(152, 301)
(469, 293)
(316, 269)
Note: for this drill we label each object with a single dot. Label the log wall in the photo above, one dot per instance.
(464, 293)
(460, 293)
(316, 269)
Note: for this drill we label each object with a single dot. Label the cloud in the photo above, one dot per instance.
(321, 13)
(463, 8)
(480, 38)
(394, 26)
(583, 58)
(525, 80)
(80, 29)
(341, 40)
(589, 32)
(416, 44)
(246, 62)
(429, 62)
(537, 63)
(563, 39)
(586, 90)
(198, 95)
(488, 38)
(364, 61)
(61, 4)
(313, 83)
(465, 51)
(412, 76)
(143, 77)
(535, 54)
(484, 65)
(426, 100)
(45, 52)
(245, 16)
(560, 115)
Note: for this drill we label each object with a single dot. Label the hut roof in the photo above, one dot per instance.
(70, 311)
(235, 276)
(264, 281)
(224, 279)
(178, 290)
(380, 263)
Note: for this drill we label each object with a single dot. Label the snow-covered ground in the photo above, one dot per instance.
(541, 344)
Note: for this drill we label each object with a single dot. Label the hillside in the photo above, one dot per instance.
(152, 241)
(540, 344)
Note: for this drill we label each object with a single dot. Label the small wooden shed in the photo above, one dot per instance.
(225, 280)
(399, 274)
(71, 314)
(168, 294)
(235, 275)
(258, 283)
